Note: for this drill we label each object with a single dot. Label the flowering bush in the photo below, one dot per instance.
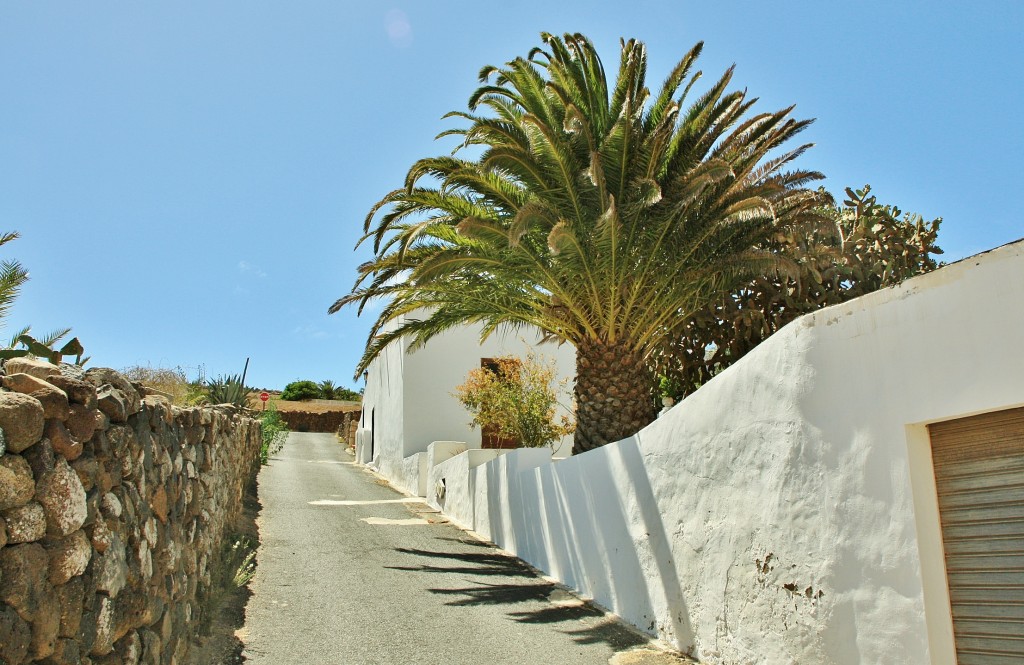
(517, 400)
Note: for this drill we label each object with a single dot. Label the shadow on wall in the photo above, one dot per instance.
(592, 522)
(658, 541)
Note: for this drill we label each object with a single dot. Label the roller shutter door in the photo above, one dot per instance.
(979, 474)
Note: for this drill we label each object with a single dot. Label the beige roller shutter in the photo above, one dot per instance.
(979, 473)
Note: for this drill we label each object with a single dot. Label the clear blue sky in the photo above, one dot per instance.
(189, 178)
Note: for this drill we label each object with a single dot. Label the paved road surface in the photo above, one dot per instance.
(353, 573)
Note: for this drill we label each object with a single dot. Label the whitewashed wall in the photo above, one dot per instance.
(411, 393)
(433, 372)
(786, 512)
(383, 417)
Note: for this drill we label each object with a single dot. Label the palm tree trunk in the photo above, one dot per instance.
(613, 394)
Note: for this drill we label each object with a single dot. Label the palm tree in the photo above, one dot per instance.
(327, 389)
(597, 213)
(12, 276)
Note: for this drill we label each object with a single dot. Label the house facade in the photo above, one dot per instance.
(408, 402)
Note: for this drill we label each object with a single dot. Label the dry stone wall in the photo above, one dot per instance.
(307, 421)
(347, 429)
(114, 507)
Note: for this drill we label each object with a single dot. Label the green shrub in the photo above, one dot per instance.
(299, 390)
(195, 393)
(233, 569)
(517, 399)
(275, 431)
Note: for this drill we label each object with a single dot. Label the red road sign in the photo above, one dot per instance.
(264, 396)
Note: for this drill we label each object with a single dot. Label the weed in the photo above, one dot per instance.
(245, 567)
(231, 571)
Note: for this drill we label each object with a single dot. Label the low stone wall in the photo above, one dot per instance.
(114, 507)
(347, 429)
(305, 421)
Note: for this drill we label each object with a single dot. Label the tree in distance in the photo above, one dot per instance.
(300, 390)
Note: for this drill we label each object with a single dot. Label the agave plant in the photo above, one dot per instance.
(227, 389)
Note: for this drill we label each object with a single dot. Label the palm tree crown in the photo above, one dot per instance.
(595, 211)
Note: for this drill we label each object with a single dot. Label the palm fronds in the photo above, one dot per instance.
(593, 210)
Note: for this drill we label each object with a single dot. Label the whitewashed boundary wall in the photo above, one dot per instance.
(786, 512)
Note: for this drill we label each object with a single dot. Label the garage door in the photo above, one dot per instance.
(979, 473)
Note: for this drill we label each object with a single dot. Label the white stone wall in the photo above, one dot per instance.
(786, 512)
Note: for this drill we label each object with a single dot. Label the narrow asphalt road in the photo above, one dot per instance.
(353, 573)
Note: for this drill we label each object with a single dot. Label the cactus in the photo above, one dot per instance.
(42, 349)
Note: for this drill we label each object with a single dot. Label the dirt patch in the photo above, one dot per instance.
(221, 643)
(648, 657)
(223, 646)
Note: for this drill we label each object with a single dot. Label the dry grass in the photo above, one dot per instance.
(171, 382)
(309, 406)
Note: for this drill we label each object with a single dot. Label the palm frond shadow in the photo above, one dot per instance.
(467, 541)
(465, 570)
(488, 563)
(557, 614)
(589, 629)
(496, 594)
(610, 632)
(491, 558)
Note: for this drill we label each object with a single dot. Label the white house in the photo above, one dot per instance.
(852, 491)
(408, 402)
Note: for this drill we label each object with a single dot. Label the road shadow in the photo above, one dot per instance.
(488, 562)
(467, 541)
(590, 628)
(224, 610)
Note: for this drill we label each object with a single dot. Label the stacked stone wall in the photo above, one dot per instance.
(347, 429)
(305, 421)
(114, 507)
